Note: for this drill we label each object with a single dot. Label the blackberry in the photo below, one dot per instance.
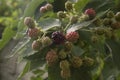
(36, 45)
(58, 37)
(65, 74)
(90, 12)
(68, 5)
(33, 32)
(76, 62)
(43, 9)
(72, 36)
(48, 6)
(51, 57)
(29, 22)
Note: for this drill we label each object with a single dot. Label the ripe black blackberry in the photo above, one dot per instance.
(58, 37)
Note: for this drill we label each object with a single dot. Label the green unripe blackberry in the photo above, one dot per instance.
(68, 5)
(100, 31)
(97, 22)
(76, 62)
(65, 74)
(61, 14)
(94, 39)
(62, 54)
(68, 46)
(46, 41)
(88, 62)
(117, 16)
(110, 14)
(115, 25)
(107, 21)
(74, 19)
(64, 65)
(29, 22)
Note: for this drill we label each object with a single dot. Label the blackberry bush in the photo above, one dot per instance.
(77, 42)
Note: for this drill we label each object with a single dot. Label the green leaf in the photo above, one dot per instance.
(77, 51)
(7, 36)
(100, 5)
(21, 46)
(115, 50)
(80, 4)
(26, 69)
(37, 59)
(78, 26)
(49, 23)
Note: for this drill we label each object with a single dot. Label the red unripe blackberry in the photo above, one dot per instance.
(48, 6)
(43, 9)
(51, 57)
(72, 36)
(36, 45)
(58, 37)
(28, 21)
(33, 32)
(90, 12)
